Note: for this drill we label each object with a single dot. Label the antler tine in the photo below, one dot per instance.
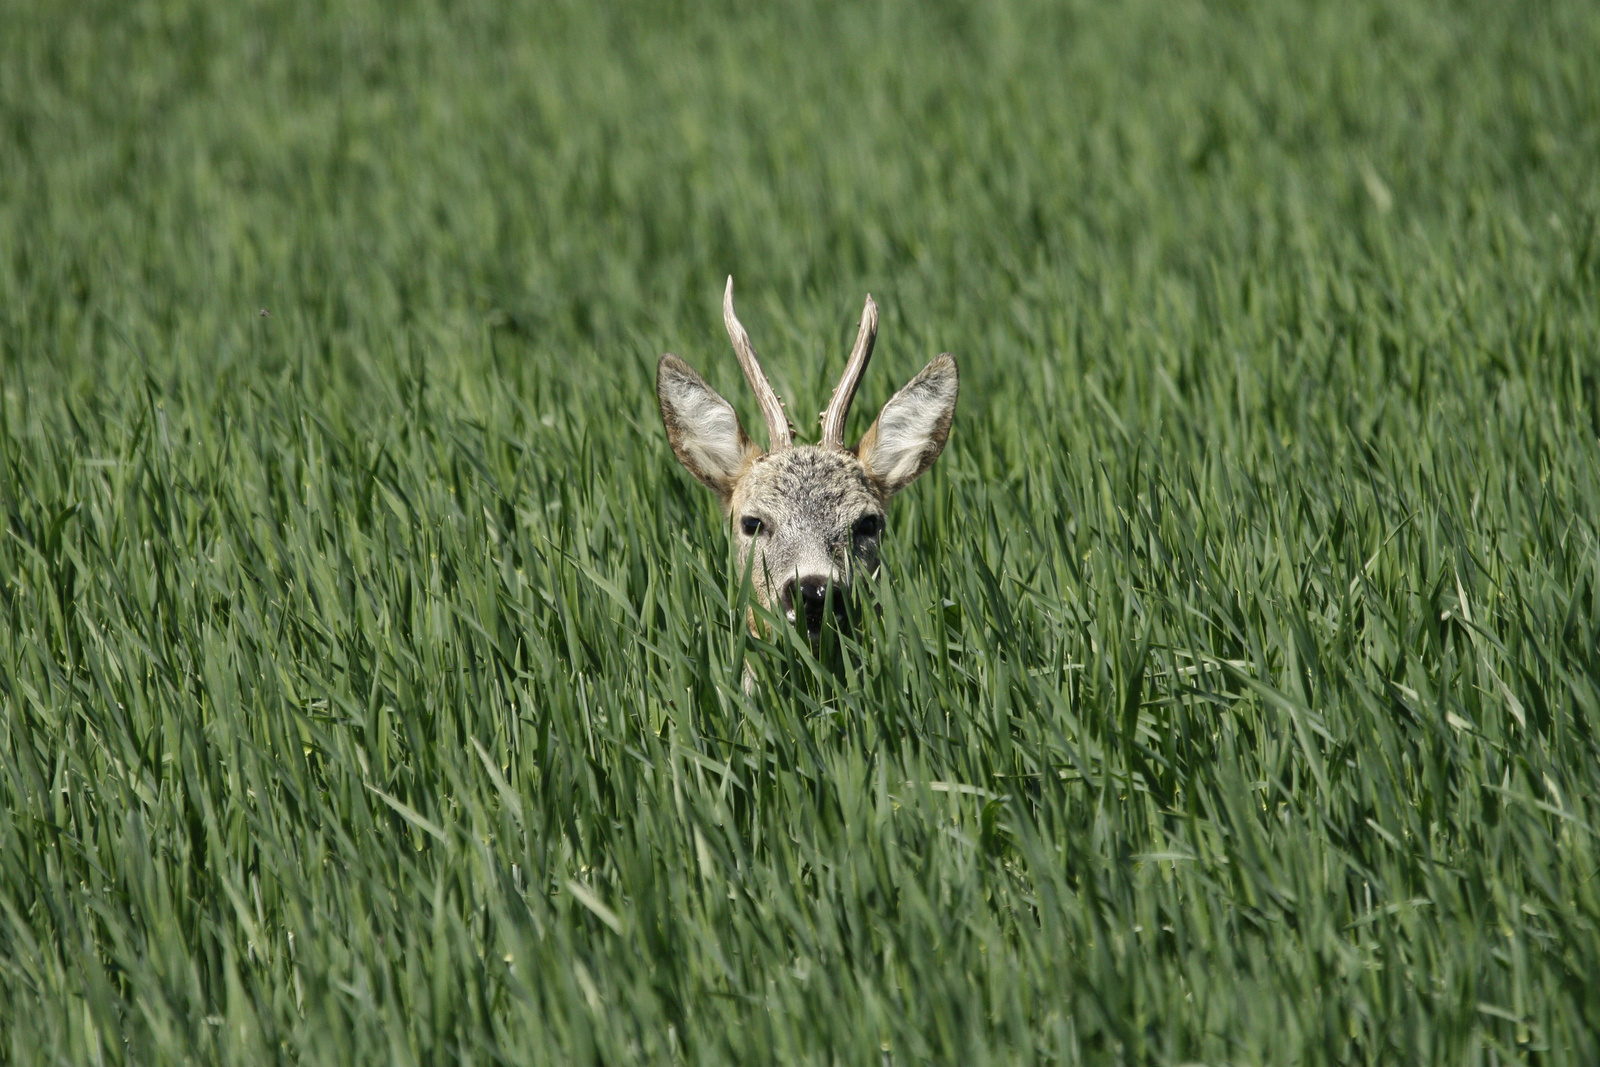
(771, 407)
(845, 391)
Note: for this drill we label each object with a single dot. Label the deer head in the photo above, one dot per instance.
(807, 519)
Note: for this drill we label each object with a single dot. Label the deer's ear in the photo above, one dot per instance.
(704, 431)
(911, 430)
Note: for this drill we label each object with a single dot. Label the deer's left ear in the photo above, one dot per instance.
(704, 432)
(912, 428)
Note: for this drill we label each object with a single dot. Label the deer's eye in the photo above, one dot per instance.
(868, 526)
(750, 525)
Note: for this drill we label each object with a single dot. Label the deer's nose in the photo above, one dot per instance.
(812, 600)
(814, 593)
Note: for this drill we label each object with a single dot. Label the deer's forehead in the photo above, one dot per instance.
(807, 479)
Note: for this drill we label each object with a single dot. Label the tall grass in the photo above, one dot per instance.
(370, 675)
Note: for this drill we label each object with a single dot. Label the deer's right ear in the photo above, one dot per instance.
(702, 427)
(911, 430)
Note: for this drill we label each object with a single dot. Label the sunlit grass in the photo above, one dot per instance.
(371, 675)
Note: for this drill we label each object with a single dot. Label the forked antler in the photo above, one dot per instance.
(778, 431)
(845, 391)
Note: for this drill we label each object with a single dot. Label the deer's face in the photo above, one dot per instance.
(807, 519)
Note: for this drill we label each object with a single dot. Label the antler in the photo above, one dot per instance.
(771, 407)
(845, 391)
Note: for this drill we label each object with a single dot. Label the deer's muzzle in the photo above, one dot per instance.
(816, 596)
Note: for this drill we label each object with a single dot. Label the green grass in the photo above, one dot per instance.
(370, 673)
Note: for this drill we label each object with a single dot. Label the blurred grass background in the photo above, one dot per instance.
(369, 672)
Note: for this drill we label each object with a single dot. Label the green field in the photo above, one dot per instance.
(370, 672)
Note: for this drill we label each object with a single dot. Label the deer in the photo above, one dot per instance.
(807, 520)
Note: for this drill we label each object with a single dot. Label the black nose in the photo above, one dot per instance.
(813, 593)
(813, 600)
